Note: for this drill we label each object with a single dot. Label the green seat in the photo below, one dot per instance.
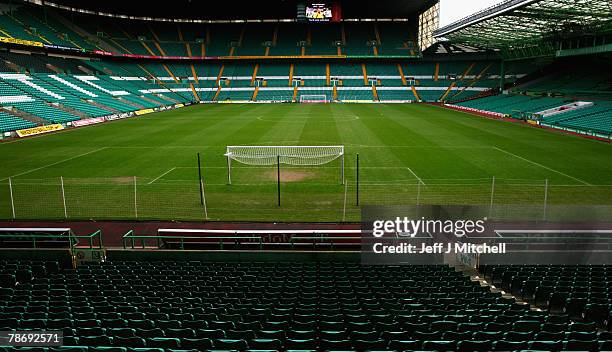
(265, 344)
(74, 349)
(163, 342)
(404, 345)
(231, 344)
(130, 341)
(439, 345)
(197, 344)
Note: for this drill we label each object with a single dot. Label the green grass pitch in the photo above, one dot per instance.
(409, 153)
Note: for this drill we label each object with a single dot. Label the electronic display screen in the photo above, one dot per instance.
(319, 12)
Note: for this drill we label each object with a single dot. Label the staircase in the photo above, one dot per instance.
(473, 82)
(220, 74)
(254, 76)
(171, 100)
(102, 106)
(86, 35)
(131, 103)
(401, 72)
(85, 70)
(148, 49)
(437, 71)
(365, 74)
(195, 93)
(144, 97)
(54, 69)
(290, 75)
(194, 74)
(217, 94)
(414, 92)
(70, 110)
(448, 90)
(25, 116)
(254, 97)
(12, 66)
(486, 93)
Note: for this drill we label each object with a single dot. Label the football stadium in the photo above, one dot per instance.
(286, 175)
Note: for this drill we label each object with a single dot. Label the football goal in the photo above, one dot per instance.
(289, 155)
(313, 98)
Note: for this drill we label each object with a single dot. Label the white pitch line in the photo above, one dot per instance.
(55, 163)
(294, 141)
(542, 166)
(162, 175)
(415, 175)
(301, 167)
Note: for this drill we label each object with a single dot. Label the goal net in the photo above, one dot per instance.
(289, 155)
(314, 98)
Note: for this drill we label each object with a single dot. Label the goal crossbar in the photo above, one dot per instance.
(313, 98)
(289, 155)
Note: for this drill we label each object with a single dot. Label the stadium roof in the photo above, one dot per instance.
(517, 22)
(261, 9)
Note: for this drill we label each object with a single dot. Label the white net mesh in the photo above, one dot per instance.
(313, 98)
(290, 155)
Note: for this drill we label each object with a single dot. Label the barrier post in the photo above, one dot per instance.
(64, 197)
(492, 196)
(229, 170)
(200, 178)
(545, 197)
(342, 180)
(344, 207)
(278, 179)
(12, 199)
(357, 179)
(204, 200)
(135, 199)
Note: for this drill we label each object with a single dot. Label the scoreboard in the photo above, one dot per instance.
(319, 12)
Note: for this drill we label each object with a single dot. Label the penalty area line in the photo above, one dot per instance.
(415, 175)
(53, 164)
(542, 166)
(162, 175)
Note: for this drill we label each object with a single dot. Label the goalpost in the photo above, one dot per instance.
(290, 155)
(313, 98)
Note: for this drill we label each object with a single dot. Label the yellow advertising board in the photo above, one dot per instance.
(144, 112)
(38, 130)
(20, 41)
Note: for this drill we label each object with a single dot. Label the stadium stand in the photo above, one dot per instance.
(98, 88)
(578, 291)
(9, 122)
(195, 305)
(209, 294)
(52, 27)
(61, 93)
(557, 86)
(126, 85)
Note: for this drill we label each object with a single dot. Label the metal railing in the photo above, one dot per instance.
(38, 235)
(184, 237)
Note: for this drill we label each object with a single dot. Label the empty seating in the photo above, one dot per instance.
(193, 305)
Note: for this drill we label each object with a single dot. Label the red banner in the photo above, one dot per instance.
(87, 122)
